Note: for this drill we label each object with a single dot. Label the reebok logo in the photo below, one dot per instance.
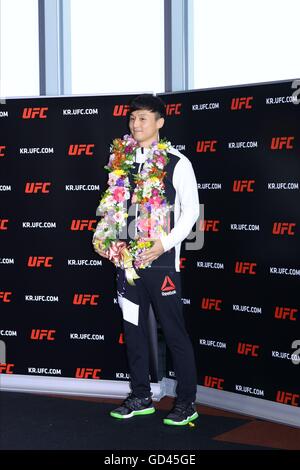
(168, 287)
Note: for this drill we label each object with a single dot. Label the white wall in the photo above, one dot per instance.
(117, 46)
(245, 41)
(19, 51)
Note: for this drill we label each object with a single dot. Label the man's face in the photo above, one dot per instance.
(144, 126)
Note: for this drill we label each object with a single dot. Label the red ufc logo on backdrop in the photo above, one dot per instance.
(248, 349)
(32, 113)
(86, 373)
(84, 299)
(182, 262)
(211, 304)
(79, 149)
(240, 103)
(173, 108)
(284, 313)
(121, 110)
(213, 382)
(244, 267)
(83, 224)
(240, 186)
(4, 296)
(281, 228)
(279, 143)
(3, 224)
(204, 146)
(39, 187)
(2, 150)
(39, 261)
(6, 368)
(287, 398)
(40, 335)
(209, 225)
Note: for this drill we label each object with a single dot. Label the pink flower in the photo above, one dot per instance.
(155, 201)
(161, 160)
(146, 225)
(119, 194)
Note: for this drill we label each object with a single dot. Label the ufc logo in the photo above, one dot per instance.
(84, 299)
(3, 224)
(37, 187)
(79, 149)
(248, 349)
(211, 304)
(43, 334)
(5, 296)
(243, 267)
(86, 373)
(206, 146)
(280, 228)
(287, 398)
(213, 382)
(121, 339)
(120, 110)
(2, 148)
(78, 224)
(243, 185)
(243, 102)
(209, 225)
(6, 368)
(282, 313)
(173, 109)
(278, 143)
(182, 263)
(38, 261)
(32, 113)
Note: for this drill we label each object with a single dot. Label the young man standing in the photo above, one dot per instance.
(159, 177)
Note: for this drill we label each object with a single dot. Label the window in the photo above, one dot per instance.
(245, 41)
(117, 46)
(19, 50)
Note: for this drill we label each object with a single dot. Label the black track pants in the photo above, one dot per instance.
(161, 288)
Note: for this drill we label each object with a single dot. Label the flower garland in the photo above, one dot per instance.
(149, 193)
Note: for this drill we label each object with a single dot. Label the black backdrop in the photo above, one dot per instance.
(59, 314)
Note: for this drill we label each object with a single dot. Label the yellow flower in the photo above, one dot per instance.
(162, 146)
(119, 172)
(154, 179)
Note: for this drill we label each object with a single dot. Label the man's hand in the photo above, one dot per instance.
(149, 255)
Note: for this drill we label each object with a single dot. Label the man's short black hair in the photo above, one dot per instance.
(151, 103)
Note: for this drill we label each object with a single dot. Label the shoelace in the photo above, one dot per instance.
(181, 407)
(132, 401)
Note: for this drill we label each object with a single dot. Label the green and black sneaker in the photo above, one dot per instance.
(183, 413)
(133, 406)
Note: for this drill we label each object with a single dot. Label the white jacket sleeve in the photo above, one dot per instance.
(185, 184)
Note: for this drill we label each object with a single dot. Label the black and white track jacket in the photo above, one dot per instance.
(182, 193)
